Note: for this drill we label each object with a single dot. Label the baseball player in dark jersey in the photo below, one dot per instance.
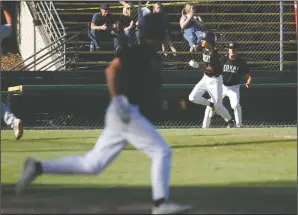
(212, 80)
(134, 82)
(234, 68)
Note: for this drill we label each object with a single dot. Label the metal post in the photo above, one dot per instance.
(140, 10)
(9, 100)
(296, 20)
(34, 35)
(77, 50)
(281, 68)
(0, 51)
(296, 16)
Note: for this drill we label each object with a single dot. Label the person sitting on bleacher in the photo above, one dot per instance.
(128, 24)
(158, 8)
(103, 27)
(140, 13)
(192, 27)
(144, 10)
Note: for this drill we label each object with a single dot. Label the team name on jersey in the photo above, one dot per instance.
(230, 68)
(206, 58)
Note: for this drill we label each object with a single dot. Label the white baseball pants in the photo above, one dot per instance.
(116, 135)
(233, 92)
(8, 117)
(213, 86)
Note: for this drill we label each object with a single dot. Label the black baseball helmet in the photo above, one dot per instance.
(233, 45)
(209, 37)
(152, 26)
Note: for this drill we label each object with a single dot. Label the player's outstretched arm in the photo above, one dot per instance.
(120, 101)
(7, 16)
(110, 72)
(199, 66)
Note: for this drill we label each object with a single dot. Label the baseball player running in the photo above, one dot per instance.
(12, 121)
(133, 79)
(212, 80)
(234, 68)
(9, 118)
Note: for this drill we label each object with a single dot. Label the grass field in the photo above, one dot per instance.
(217, 171)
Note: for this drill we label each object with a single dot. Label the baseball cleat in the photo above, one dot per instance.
(28, 175)
(231, 124)
(18, 129)
(171, 208)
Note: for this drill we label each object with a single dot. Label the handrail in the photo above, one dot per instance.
(52, 23)
(36, 53)
(50, 64)
(58, 17)
(38, 59)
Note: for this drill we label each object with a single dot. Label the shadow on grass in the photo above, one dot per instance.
(88, 137)
(206, 135)
(174, 147)
(267, 197)
(233, 143)
(51, 139)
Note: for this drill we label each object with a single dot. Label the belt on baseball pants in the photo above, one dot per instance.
(211, 76)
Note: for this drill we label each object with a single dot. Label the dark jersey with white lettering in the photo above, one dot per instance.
(140, 78)
(233, 70)
(211, 59)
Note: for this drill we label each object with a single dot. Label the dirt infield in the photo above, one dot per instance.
(120, 200)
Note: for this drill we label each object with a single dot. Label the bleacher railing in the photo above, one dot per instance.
(56, 45)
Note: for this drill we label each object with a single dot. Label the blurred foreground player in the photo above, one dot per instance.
(134, 80)
(9, 118)
(234, 68)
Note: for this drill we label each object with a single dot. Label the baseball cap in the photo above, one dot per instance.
(210, 37)
(104, 6)
(233, 45)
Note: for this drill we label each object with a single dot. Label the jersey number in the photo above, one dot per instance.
(206, 58)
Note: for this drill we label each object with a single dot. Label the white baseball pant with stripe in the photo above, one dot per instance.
(212, 85)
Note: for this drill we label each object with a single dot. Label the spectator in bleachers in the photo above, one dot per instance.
(128, 24)
(103, 27)
(158, 8)
(192, 27)
(144, 10)
(6, 29)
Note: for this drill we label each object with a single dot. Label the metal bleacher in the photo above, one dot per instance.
(257, 30)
